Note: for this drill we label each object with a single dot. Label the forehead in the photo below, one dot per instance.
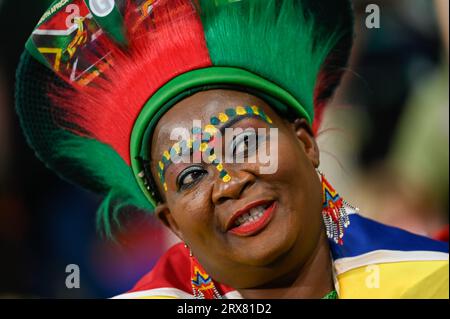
(199, 107)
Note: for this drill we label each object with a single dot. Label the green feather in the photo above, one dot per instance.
(279, 40)
(79, 160)
(88, 155)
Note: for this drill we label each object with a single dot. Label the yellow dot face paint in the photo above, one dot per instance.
(177, 148)
(166, 155)
(223, 118)
(240, 110)
(204, 139)
(211, 129)
(212, 158)
(255, 110)
(203, 147)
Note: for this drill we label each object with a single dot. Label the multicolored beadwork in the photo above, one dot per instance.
(334, 213)
(331, 295)
(204, 140)
(202, 284)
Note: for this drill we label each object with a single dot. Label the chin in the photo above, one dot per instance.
(268, 248)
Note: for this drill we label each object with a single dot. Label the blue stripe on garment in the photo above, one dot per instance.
(365, 235)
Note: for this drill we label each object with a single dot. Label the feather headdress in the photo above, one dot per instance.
(88, 91)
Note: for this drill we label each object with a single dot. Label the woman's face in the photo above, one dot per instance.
(284, 207)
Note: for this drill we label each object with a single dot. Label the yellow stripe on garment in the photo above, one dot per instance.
(408, 279)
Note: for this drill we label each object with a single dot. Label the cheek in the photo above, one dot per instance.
(193, 215)
(297, 184)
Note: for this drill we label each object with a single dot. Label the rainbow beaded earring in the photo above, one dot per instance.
(334, 212)
(202, 284)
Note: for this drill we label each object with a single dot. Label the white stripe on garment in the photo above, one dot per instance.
(157, 292)
(233, 295)
(170, 292)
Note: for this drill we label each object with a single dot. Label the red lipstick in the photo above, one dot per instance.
(252, 227)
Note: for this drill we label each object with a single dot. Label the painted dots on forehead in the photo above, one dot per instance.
(203, 140)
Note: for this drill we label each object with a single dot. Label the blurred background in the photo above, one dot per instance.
(384, 145)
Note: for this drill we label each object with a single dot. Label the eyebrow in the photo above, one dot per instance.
(236, 120)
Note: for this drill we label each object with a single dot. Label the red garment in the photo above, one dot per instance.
(173, 271)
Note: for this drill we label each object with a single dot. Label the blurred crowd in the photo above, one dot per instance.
(386, 133)
(384, 145)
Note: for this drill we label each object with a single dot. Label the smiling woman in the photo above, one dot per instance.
(180, 111)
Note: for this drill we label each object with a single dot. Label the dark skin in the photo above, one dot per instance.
(290, 257)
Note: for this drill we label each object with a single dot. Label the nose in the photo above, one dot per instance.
(240, 181)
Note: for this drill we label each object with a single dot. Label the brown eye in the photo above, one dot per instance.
(190, 176)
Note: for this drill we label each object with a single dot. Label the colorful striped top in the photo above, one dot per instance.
(375, 261)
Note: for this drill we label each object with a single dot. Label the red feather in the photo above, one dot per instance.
(167, 43)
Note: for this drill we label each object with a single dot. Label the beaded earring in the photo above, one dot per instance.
(202, 284)
(334, 211)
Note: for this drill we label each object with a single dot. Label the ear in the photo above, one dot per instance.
(304, 134)
(164, 214)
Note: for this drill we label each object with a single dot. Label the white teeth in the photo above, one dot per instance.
(255, 211)
(254, 215)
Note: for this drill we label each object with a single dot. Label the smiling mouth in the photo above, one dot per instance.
(252, 220)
